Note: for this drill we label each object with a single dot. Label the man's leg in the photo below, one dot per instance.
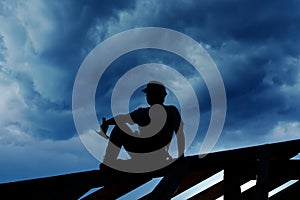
(114, 145)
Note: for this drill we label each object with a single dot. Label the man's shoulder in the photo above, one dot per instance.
(140, 110)
(173, 115)
(172, 109)
(140, 115)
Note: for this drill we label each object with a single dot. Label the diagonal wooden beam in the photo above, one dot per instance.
(192, 178)
(285, 168)
(210, 193)
(169, 184)
(291, 193)
(180, 179)
(115, 191)
(70, 186)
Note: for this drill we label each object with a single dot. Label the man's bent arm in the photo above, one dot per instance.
(180, 140)
(122, 118)
(119, 120)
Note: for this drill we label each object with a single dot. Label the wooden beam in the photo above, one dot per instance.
(70, 186)
(170, 183)
(285, 168)
(115, 191)
(191, 178)
(210, 193)
(217, 190)
(232, 184)
(272, 165)
(194, 177)
(291, 193)
(251, 193)
(262, 182)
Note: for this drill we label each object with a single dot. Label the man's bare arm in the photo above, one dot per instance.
(180, 140)
(119, 120)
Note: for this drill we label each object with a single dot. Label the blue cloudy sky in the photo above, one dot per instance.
(255, 44)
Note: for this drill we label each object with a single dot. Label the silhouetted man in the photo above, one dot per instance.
(156, 126)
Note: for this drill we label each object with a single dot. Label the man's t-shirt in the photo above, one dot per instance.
(159, 140)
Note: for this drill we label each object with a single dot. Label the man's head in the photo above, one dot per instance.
(155, 93)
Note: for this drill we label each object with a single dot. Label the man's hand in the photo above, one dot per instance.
(103, 129)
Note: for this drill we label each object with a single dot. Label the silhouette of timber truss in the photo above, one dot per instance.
(269, 164)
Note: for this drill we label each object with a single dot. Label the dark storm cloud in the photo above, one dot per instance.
(245, 21)
(254, 44)
(74, 20)
(41, 48)
(256, 47)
